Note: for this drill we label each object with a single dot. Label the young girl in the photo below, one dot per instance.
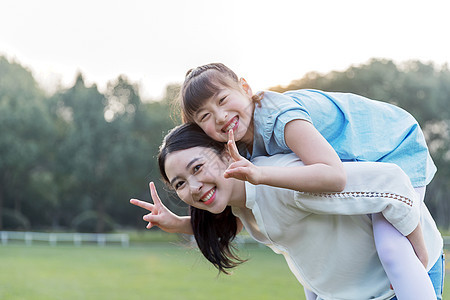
(322, 129)
(326, 238)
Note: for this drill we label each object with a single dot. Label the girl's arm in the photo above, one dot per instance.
(161, 216)
(418, 243)
(323, 170)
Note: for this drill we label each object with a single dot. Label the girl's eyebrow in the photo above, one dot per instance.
(213, 96)
(187, 167)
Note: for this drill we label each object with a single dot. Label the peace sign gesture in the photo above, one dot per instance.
(161, 216)
(241, 168)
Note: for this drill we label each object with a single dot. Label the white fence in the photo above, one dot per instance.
(76, 238)
(446, 242)
(100, 239)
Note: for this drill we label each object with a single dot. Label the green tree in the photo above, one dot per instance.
(84, 151)
(107, 147)
(25, 140)
(156, 121)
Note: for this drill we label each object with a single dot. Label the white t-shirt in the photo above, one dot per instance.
(327, 238)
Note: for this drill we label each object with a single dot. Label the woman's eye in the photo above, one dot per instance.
(197, 168)
(178, 185)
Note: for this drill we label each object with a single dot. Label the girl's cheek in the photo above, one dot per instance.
(206, 128)
(211, 131)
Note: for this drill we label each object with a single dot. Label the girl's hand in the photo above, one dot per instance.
(241, 168)
(417, 241)
(159, 214)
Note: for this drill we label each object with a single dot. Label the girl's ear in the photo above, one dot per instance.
(246, 87)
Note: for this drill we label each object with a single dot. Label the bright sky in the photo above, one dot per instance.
(267, 42)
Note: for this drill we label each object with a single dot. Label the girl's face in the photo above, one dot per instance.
(229, 108)
(196, 174)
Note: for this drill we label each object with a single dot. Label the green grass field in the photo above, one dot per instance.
(161, 271)
(152, 272)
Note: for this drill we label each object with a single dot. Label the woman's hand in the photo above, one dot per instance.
(241, 168)
(161, 216)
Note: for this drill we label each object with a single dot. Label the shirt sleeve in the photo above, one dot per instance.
(371, 188)
(280, 110)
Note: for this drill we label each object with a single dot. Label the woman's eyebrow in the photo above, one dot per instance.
(187, 167)
(191, 162)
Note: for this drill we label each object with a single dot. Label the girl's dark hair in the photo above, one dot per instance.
(213, 232)
(202, 83)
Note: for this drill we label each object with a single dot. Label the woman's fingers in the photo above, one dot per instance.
(143, 204)
(154, 194)
(147, 205)
(152, 218)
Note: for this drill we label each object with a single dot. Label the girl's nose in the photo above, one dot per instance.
(221, 117)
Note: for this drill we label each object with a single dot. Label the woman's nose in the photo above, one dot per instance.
(195, 186)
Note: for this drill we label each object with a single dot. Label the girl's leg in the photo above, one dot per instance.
(310, 295)
(406, 273)
(437, 274)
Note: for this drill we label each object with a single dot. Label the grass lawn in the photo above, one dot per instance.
(152, 272)
(161, 271)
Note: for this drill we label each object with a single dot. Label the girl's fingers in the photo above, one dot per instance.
(143, 204)
(236, 172)
(232, 146)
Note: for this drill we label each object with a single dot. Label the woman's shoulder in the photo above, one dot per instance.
(282, 160)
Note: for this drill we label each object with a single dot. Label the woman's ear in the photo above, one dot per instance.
(246, 87)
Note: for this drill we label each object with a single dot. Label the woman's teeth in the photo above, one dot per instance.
(208, 196)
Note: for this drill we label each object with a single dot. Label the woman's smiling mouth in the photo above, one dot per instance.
(209, 197)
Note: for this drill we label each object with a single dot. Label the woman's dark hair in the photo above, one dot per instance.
(213, 232)
(202, 83)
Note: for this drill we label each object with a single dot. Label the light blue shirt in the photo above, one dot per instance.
(358, 128)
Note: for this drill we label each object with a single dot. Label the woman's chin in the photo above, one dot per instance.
(216, 209)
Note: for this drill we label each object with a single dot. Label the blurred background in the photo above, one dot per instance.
(86, 91)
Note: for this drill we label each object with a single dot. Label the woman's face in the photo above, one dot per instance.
(196, 174)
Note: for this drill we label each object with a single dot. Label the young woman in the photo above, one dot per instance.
(326, 238)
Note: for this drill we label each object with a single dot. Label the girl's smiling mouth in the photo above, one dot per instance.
(209, 196)
(232, 124)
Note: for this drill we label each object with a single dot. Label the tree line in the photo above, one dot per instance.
(72, 160)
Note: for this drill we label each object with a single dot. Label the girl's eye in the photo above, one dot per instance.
(204, 117)
(178, 184)
(222, 99)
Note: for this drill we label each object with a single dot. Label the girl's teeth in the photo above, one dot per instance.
(231, 126)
